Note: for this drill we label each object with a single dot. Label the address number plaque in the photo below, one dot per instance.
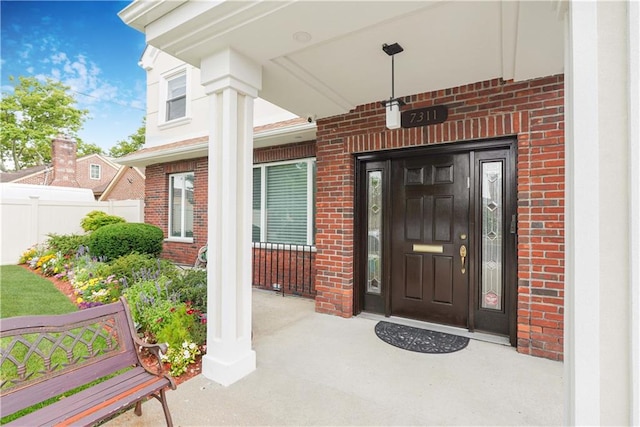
(424, 116)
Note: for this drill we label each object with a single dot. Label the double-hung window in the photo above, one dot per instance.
(283, 202)
(94, 171)
(176, 104)
(181, 206)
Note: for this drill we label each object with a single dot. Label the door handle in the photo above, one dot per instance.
(463, 256)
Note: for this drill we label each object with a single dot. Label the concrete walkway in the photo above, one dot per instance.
(316, 369)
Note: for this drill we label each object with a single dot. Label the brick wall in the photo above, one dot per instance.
(41, 178)
(288, 270)
(130, 185)
(530, 110)
(83, 172)
(157, 194)
(156, 209)
(63, 157)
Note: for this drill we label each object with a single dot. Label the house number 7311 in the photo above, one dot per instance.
(424, 116)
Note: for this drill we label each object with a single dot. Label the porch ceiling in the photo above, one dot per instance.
(324, 58)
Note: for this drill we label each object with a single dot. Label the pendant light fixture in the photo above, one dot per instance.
(392, 105)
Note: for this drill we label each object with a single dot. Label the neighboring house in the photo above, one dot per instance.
(107, 179)
(514, 214)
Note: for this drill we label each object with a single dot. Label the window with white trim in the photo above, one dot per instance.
(176, 104)
(181, 205)
(283, 202)
(94, 171)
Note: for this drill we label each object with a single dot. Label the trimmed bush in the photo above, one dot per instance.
(113, 241)
(97, 219)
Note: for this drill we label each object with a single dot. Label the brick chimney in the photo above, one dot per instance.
(63, 154)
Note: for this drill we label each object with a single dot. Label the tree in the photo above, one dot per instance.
(134, 143)
(86, 148)
(31, 116)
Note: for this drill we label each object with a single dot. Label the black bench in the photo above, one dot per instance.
(45, 356)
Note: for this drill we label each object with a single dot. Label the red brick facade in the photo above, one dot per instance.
(157, 195)
(156, 210)
(532, 111)
(116, 182)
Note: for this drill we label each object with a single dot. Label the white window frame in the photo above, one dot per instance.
(182, 237)
(165, 78)
(99, 168)
(310, 161)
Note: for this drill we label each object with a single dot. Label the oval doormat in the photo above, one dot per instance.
(419, 340)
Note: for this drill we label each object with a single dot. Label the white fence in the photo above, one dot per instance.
(27, 222)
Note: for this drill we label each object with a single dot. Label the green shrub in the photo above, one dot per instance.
(67, 244)
(96, 219)
(134, 266)
(176, 327)
(145, 299)
(191, 287)
(116, 240)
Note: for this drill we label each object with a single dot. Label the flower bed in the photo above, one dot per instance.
(167, 304)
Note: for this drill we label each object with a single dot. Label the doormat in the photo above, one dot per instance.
(419, 340)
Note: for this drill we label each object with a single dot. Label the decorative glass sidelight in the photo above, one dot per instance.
(374, 232)
(492, 238)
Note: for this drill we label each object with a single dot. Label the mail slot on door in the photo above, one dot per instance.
(430, 249)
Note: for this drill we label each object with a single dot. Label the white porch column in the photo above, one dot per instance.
(231, 82)
(601, 309)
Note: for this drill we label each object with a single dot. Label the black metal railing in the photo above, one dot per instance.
(285, 268)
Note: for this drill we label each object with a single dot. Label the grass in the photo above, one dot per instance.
(24, 293)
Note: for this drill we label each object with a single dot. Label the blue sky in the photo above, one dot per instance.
(87, 47)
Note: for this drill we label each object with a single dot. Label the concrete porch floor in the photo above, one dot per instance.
(315, 369)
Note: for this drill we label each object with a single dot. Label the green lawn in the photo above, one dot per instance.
(23, 292)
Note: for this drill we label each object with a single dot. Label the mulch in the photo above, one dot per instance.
(149, 360)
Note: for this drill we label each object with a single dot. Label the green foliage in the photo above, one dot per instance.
(96, 219)
(116, 240)
(192, 287)
(67, 244)
(176, 327)
(134, 143)
(150, 303)
(25, 293)
(181, 357)
(30, 116)
(135, 265)
(86, 148)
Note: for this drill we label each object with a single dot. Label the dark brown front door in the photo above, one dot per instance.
(437, 235)
(430, 238)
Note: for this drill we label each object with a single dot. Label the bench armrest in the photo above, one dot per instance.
(154, 349)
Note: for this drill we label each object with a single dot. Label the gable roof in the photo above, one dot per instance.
(22, 173)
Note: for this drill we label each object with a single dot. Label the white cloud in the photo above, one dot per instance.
(59, 58)
(24, 54)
